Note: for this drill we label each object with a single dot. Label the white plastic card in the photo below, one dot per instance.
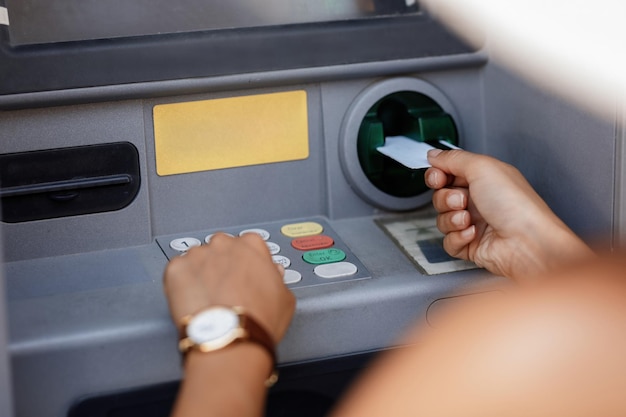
(410, 153)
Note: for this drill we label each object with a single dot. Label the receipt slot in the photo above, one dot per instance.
(405, 107)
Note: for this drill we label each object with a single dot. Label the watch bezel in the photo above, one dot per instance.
(233, 334)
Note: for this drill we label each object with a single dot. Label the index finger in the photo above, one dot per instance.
(256, 242)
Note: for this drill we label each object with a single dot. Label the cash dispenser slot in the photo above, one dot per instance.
(68, 182)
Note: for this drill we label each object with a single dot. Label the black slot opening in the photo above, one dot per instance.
(68, 182)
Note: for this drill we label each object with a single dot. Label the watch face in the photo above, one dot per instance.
(212, 324)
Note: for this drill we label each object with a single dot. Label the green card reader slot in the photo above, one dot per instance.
(409, 114)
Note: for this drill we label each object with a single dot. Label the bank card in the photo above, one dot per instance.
(411, 153)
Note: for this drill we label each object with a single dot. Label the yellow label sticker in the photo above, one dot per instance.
(230, 132)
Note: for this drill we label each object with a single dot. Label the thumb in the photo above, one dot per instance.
(461, 165)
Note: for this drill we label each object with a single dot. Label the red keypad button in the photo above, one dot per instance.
(313, 242)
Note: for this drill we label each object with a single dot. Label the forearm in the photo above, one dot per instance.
(224, 383)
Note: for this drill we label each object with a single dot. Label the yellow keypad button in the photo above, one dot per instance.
(301, 229)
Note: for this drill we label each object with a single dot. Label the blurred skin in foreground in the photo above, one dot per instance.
(550, 346)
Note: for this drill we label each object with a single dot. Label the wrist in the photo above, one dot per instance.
(228, 382)
(549, 246)
(243, 361)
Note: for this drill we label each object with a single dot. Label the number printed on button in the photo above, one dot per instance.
(183, 244)
(283, 260)
(274, 248)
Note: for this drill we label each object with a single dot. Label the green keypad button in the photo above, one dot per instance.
(324, 256)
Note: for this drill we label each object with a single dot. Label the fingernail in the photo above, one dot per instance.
(469, 232)
(431, 178)
(434, 152)
(458, 219)
(455, 201)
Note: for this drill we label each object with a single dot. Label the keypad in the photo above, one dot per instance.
(309, 250)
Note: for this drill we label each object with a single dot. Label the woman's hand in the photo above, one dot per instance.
(492, 216)
(231, 272)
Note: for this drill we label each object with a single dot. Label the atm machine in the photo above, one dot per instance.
(131, 131)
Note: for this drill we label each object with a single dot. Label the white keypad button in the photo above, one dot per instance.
(273, 247)
(283, 260)
(291, 276)
(183, 244)
(209, 237)
(265, 235)
(335, 270)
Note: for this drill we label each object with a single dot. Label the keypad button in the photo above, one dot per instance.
(302, 229)
(324, 256)
(292, 276)
(335, 270)
(265, 235)
(209, 237)
(283, 260)
(273, 247)
(183, 244)
(313, 242)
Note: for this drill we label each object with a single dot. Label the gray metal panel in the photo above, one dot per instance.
(196, 85)
(50, 128)
(566, 154)
(79, 65)
(75, 20)
(236, 196)
(87, 323)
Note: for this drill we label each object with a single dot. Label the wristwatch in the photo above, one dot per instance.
(217, 327)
